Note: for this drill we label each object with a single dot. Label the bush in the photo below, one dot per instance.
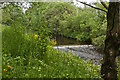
(99, 41)
(17, 43)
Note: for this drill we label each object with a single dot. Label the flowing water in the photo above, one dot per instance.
(83, 49)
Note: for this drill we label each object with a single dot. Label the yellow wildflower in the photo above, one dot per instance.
(8, 63)
(36, 36)
(53, 41)
(5, 55)
(8, 66)
(5, 69)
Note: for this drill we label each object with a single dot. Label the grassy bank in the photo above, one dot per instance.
(54, 64)
(30, 56)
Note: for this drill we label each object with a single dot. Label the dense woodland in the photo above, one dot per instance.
(28, 37)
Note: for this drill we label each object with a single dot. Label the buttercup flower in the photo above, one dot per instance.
(8, 63)
(8, 66)
(5, 55)
(36, 36)
(5, 69)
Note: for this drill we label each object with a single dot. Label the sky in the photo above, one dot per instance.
(88, 1)
(75, 3)
(91, 0)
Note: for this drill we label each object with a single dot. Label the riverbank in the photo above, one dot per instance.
(86, 52)
(64, 40)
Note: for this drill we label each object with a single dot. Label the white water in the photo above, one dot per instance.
(71, 46)
(84, 51)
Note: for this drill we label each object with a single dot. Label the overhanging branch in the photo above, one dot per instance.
(92, 6)
(104, 4)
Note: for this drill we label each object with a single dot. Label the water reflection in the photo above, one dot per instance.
(62, 40)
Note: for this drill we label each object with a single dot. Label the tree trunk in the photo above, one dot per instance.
(111, 50)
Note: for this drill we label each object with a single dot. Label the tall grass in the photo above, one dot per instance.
(25, 56)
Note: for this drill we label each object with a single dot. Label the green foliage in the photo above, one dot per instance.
(12, 13)
(61, 18)
(99, 41)
(101, 14)
(55, 64)
(57, 12)
(34, 19)
(5, 16)
(18, 43)
(23, 58)
(84, 25)
(30, 56)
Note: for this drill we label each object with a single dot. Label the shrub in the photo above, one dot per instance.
(17, 43)
(99, 41)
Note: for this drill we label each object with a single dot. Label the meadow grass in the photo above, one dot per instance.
(25, 56)
(55, 64)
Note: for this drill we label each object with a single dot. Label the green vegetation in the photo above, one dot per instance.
(26, 39)
(26, 56)
(85, 24)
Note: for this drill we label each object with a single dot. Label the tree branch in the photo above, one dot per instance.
(104, 4)
(92, 6)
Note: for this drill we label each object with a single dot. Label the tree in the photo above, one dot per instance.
(12, 13)
(82, 26)
(112, 41)
(34, 15)
(56, 13)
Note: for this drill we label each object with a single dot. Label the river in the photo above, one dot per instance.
(84, 49)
